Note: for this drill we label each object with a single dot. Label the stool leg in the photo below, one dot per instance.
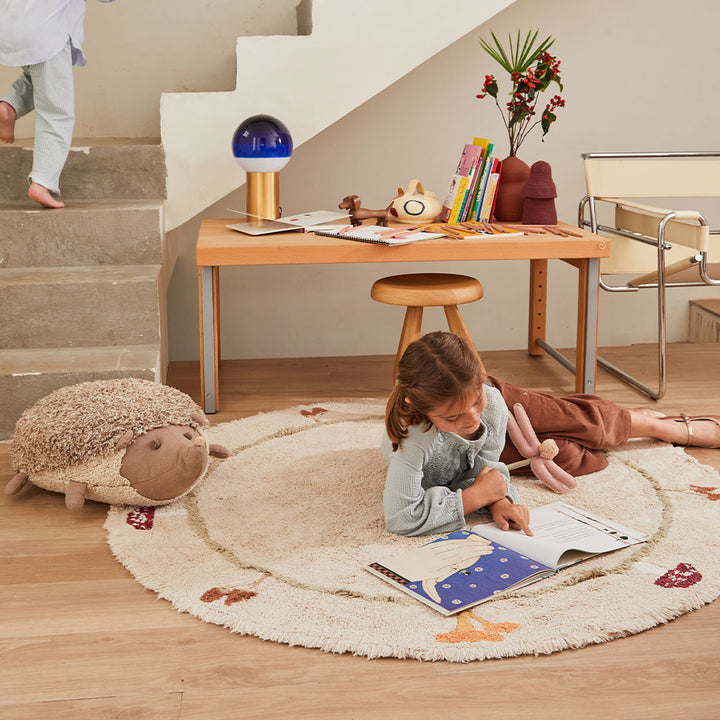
(412, 326)
(456, 324)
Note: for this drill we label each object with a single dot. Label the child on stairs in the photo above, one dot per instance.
(44, 38)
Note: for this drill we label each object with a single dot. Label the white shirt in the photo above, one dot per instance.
(33, 31)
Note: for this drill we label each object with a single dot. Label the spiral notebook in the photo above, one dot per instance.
(380, 235)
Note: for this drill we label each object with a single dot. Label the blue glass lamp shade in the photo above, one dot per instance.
(262, 144)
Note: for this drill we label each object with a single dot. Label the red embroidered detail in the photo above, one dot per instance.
(312, 413)
(141, 518)
(465, 631)
(681, 576)
(711, 493)
(231, 596)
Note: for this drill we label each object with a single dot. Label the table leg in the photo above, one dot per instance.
(538, 302)
(587, 324)
(209, 337)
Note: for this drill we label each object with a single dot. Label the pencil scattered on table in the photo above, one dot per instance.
(546, 229)
(461, 230)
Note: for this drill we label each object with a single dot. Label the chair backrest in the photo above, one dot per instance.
(661, 175)
(652, 175)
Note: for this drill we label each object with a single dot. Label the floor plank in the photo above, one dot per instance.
(80, 638)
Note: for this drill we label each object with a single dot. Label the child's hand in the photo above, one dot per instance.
(489, 487)
(508, 515)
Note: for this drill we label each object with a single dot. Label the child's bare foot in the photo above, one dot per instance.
(7, 122)
(42, 195)
(649, 411)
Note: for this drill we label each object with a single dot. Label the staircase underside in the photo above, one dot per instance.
(355, 50)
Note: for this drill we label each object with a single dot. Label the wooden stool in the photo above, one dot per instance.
(421, 290)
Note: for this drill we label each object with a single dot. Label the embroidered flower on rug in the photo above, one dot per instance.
(465, 631)
(231, 596)
(141, 518)
(681, 576)
(711, 493)
(312, 413)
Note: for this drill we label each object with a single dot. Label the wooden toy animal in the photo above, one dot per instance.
(358, 213)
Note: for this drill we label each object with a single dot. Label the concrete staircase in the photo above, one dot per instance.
(82, 290)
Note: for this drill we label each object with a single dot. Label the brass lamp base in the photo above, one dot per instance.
(263, 195)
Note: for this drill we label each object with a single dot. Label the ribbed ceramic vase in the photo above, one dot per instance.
(509, 199)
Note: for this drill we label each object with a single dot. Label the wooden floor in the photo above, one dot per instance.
(80, 639)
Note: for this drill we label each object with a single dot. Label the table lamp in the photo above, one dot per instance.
(262, 145)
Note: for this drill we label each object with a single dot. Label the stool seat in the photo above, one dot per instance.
(418, 290)
(427, 290)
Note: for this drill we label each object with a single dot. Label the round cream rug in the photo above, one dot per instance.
(275, 541)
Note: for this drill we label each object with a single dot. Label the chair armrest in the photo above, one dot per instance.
(654, 210)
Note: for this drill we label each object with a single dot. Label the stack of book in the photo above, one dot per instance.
(471, 196)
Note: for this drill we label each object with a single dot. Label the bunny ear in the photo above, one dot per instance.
(521, 441)
(548, 472)
(524, 422)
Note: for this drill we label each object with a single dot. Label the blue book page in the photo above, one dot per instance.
(458, 571)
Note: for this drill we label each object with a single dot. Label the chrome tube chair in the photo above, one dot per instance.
(653, 241)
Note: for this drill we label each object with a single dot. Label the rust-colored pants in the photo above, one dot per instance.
(581, 425)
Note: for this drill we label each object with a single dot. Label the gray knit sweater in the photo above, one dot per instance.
(428, 472)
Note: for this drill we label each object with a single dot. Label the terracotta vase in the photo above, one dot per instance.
(509, 198)
(539, 195)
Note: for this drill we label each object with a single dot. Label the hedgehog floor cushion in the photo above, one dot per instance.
(122, 442)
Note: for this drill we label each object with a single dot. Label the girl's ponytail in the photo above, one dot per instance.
(399, 414)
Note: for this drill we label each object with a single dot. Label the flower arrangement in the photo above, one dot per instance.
(532, 69)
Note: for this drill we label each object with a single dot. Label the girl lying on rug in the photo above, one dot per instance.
(446, 441)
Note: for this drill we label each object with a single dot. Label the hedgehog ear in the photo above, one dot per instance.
(124, 440)
(199, 417)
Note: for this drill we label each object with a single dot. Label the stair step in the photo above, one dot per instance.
(86, 232)
(704, 321)
(28, 375)
(80, 306)
(119, 168)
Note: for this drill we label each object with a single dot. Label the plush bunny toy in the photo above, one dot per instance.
(539, 454)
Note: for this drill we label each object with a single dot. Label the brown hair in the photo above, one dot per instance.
(436, 368)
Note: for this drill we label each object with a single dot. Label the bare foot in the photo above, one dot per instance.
(7, 122)
(649, 411)
(42, 195)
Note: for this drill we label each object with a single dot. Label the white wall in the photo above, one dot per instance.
(637, 77)
(138, 49)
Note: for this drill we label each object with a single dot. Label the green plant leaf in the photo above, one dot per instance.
(517, 58)
(548, 118)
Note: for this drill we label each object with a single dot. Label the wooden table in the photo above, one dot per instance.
(217, 247)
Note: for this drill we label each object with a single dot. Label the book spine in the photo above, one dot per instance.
(498, 170)
(449, 200)
(481, 189)
(489, 197)
(458, 189)
(457, 205)
(487, 147)
(472, 187)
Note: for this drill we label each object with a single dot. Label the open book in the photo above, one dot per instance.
(379, 235)
(302, 221)
(468, 567)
